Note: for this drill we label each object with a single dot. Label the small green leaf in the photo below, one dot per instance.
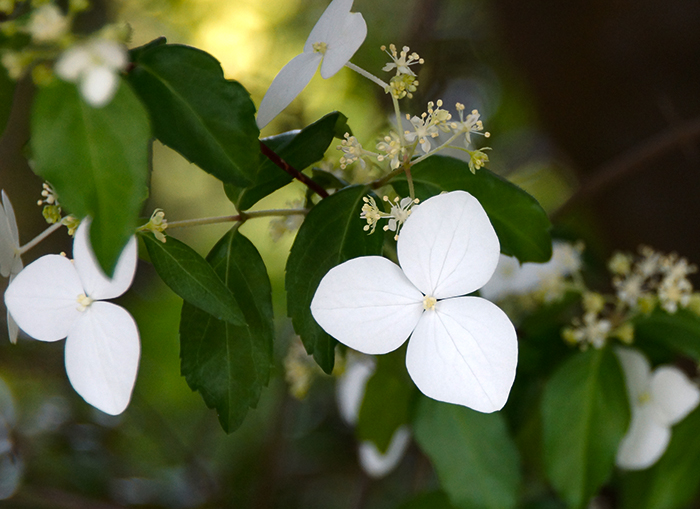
(386, 404)
(331, 234)
(475, 458)
(196, 111)
(299, 149)
(520, 222)
(674, 481)
(228, 364)
(585, 414)
(679, 331)
(96, 159)
(192, 278)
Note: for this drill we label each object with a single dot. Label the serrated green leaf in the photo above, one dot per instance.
(196, 111)
(387, 401)
(520, 222)
(585, 414)
(331, 234)
(96, 159)
(192, 278)
(7, 90)
(475, 458)
(299, 149)
(675, 480)
(228, 364)
(679, 331)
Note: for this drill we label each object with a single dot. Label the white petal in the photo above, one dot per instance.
(447, 246)
(72, 63)
(376, 464)
(288, 84)
(343, 44)
(350, 388)
(367, 304)
(98, 85)
(11, 469)
(465, 351)
(43, 298)
(645, 441)
(331, 21)
(12, 329)
(110, 53)
(672, 394)
(637, 372)
(102, 356)
(97, 285)
(11, 220)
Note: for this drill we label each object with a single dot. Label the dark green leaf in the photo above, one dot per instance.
(473, 454)
(679, 331)
(192, 278)
(672, 482)
(585, 413)
(299, 149)
(7, 90)
(387, 400)
(196, 111)
(228, 364)
(331, 234)
(96, 159)
(327, 180)
(521, 224)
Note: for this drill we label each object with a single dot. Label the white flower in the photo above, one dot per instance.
(95, 67)
(10, 260)
(462, 350)
(334, 40)
(350, 391)
(55, 298)
(48, 24)
(658, 400)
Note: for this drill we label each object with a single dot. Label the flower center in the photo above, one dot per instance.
(320, 47)
(644, 398)
(83, 302)
(429, 302)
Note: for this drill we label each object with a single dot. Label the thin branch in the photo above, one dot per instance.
(40, 237)
(272, 156)
(243, 216)
(632, 161)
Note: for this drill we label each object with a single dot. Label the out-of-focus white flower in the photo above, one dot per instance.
(332, 42)
(658, 400)
(10, 256)
(47, 24)
(462, 350)
(350, 391)
(11, 465)
(55, 298)
(95, 67)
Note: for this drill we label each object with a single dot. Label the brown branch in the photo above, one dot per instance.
(272, 156)
(631, 161)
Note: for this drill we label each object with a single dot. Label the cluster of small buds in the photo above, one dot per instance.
(71, 223)
(428, 125)
(299, 369)
(157, 224)
(390, 148)
(402, 85)
(52, 208)
(352, 151)
(468, 126)
(591, 330)
(478, 159)
(400, 210)
(652, 278)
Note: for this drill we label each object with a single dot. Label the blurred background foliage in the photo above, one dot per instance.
(593, 108)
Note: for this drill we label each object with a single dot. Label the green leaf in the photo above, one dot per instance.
(475, 458)
(386, 404)
(196, 111)
(192, 278)
(7, 90)
(585, 414)
(96, 159)
(228, 364)
(331, 234)
(679, 331)
(673, 482)
(521, 224)
(299, 149)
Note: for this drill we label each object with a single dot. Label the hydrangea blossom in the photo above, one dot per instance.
(55, 298)
(462, 350)
(659, 400)
(10, 260)
(332, 42)
(350, 392)
(95, 67)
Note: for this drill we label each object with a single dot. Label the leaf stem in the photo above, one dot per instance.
(272, 156)
(369, 76)
(40, 237)
(241, 218)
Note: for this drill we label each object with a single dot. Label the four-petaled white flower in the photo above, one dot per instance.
(462, 350)
(95, 67)
(55, 298)
(334, 40)
(658, 400)
(10, 260)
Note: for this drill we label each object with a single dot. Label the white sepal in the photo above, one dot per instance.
(645, 441)
(675, 396)
(377, 464)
